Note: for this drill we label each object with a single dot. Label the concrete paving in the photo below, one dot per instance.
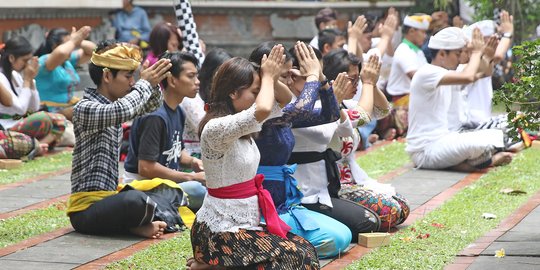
(419, 186)
(67, 251)
(521, 245)
(73, 249)
(35, 192)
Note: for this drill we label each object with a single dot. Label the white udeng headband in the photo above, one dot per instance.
(449, 38)
(420, 21)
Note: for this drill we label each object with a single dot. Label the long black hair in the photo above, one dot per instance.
(53, 39)
(235, 74)
(17, 46)
(211, 63)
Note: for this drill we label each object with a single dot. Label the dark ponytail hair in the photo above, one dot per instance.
(265, 48)
(235, 75)
(17, 46)
(213, 60)
(53, 39)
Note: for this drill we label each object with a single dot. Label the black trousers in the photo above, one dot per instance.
(356, 217)
(115, 214)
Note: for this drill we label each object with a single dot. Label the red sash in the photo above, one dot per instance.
(251, 188)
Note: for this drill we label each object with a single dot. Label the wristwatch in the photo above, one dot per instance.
(324, 81)
(507, 35)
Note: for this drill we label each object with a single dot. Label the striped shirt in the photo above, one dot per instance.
(98, 132)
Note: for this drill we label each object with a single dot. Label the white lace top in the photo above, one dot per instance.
(193, 109)
(230, 160)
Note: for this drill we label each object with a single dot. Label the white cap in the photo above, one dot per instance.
(419, 21)
(467, 32)
(449, 38)
(487, 27)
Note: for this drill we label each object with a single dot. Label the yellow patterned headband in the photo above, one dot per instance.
(121, 56)
(419, 21)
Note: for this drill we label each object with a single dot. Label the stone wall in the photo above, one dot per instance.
(237, 26)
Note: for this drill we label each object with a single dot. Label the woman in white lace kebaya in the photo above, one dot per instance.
(228, 232)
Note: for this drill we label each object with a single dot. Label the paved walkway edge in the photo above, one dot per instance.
(34, 241)
(36, 206)
(358, 251)
(123, 253)
(35, 178)
(468, 255)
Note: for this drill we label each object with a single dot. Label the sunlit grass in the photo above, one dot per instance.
(41, 165)
(384, 159)
(22, 227)
(168, 254)
(461, 217)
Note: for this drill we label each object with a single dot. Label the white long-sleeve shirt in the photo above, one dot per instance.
(25, 100)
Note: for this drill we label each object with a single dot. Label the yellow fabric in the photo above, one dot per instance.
(402, 101)
(420, 18)
(71, 102)
(80, 201)
(145, 185)
(122, 57)
(188, 217)
(419, 21)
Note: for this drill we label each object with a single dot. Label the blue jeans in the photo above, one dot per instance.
(196, 193)
(365, 131)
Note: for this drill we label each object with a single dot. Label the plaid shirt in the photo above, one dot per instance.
(98, 132)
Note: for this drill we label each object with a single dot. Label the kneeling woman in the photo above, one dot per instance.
(17, 73)
(227, 231)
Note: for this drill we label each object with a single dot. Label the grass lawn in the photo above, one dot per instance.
(172, 253)
(41, 165)
(384, 160)
(22, 227)
(169, 254)
(458, 222)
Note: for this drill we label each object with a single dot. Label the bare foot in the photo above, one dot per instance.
(463, 167)
(151, 230)
(372, 138)
(43, 149)
(501, 158)
(189, 262)
(390, 134)
(49, 139)
(516, 147)
(192, 264)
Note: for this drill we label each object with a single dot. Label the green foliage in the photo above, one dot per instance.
(458, 222)
(524, 93)
(22, 227)
(526, 14)
(441, 4)
(41, 165)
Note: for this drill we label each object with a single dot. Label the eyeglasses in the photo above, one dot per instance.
(354, 79)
